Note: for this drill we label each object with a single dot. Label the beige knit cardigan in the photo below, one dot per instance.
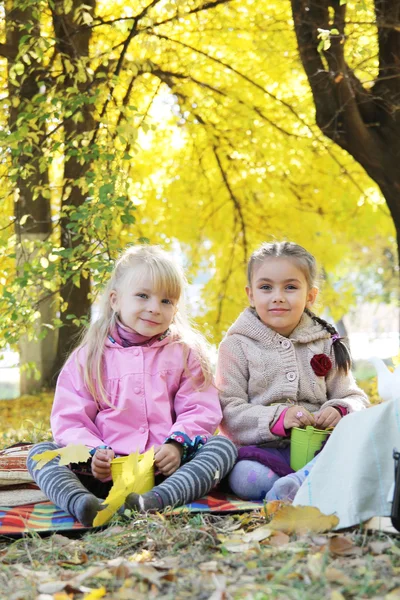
(260, 372)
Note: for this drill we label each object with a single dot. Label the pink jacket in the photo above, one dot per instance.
(151, 393)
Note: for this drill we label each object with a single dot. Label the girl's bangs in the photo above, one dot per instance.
(165, 279)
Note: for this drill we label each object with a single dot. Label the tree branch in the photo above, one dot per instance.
(235, 201)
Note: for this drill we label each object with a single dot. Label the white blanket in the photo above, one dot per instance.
(354, 474)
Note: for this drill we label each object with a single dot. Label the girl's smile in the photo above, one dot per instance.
(279, 293)
(143, 307)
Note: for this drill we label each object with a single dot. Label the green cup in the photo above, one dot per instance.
(304, 443)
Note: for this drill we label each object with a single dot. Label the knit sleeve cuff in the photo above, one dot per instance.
(342, 409)
(278, 428)
(189, 446)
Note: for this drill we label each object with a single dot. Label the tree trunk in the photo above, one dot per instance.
(364, 122)
(37, 226)
(73, 46)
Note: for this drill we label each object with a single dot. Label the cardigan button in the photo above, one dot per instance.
(286, 344)
(137, 390)
(291, 376)
(137, 352)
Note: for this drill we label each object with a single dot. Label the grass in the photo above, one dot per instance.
(188, 556)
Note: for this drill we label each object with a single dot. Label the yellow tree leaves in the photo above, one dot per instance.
(203, 114)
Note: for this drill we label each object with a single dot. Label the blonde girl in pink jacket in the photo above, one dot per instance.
(140, 378)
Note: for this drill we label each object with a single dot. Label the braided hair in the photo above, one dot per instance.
(307, 263)
(341, 351)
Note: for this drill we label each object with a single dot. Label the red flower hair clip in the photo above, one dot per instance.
(321, 364)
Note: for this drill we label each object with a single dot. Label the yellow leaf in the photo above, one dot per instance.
(134, 477)
(73, 453)
(257, 535)
(300, 519)
(95, 594)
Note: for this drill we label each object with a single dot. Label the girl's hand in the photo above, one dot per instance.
(167, 458)
(297, 416)
(328, 417)
(101, 463)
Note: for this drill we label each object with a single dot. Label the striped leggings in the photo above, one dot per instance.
(71, 491)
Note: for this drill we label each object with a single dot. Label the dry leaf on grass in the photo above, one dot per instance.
(378, 547)
(278, 539)
(315, 565)
(211, 565)
(272, 507)
(257, 535)
(336, 576)
(95, 594)
(343, 546)
(302, 519)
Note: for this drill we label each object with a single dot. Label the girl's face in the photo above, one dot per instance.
(142, 307)
(279, 292)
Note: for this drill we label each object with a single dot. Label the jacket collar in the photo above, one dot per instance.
(249, 325)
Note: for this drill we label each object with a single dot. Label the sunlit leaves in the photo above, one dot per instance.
(198, 127)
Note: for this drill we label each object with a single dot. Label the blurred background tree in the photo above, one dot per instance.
(185, 123)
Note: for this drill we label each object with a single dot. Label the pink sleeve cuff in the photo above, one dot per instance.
(342, 409)
(278, 428)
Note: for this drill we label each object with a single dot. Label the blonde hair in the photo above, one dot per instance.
(167, 276)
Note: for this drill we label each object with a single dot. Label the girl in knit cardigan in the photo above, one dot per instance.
(280, 366)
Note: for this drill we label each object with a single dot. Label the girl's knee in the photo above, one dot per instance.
(251, 480)
(224, 444)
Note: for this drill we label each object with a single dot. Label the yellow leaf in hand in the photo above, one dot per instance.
(145, 473)
(302, 519)
(136, 473)
(44, 457)
(73, 453)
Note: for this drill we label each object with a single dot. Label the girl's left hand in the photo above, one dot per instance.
(167, 458)
(101, 463)
(328, 417)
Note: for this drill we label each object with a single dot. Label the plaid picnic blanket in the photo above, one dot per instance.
(45, 517)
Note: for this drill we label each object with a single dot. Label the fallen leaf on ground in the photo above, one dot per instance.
(315, 565)
(336, 576)
(393, 594)
(272, 507)
(237, 546)
(211, 565)
(95, 594)
(378, 547)
(257, 535)
(301, 519)
(80, 558)
(343, 546)
(335, 595)
(278, 539)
